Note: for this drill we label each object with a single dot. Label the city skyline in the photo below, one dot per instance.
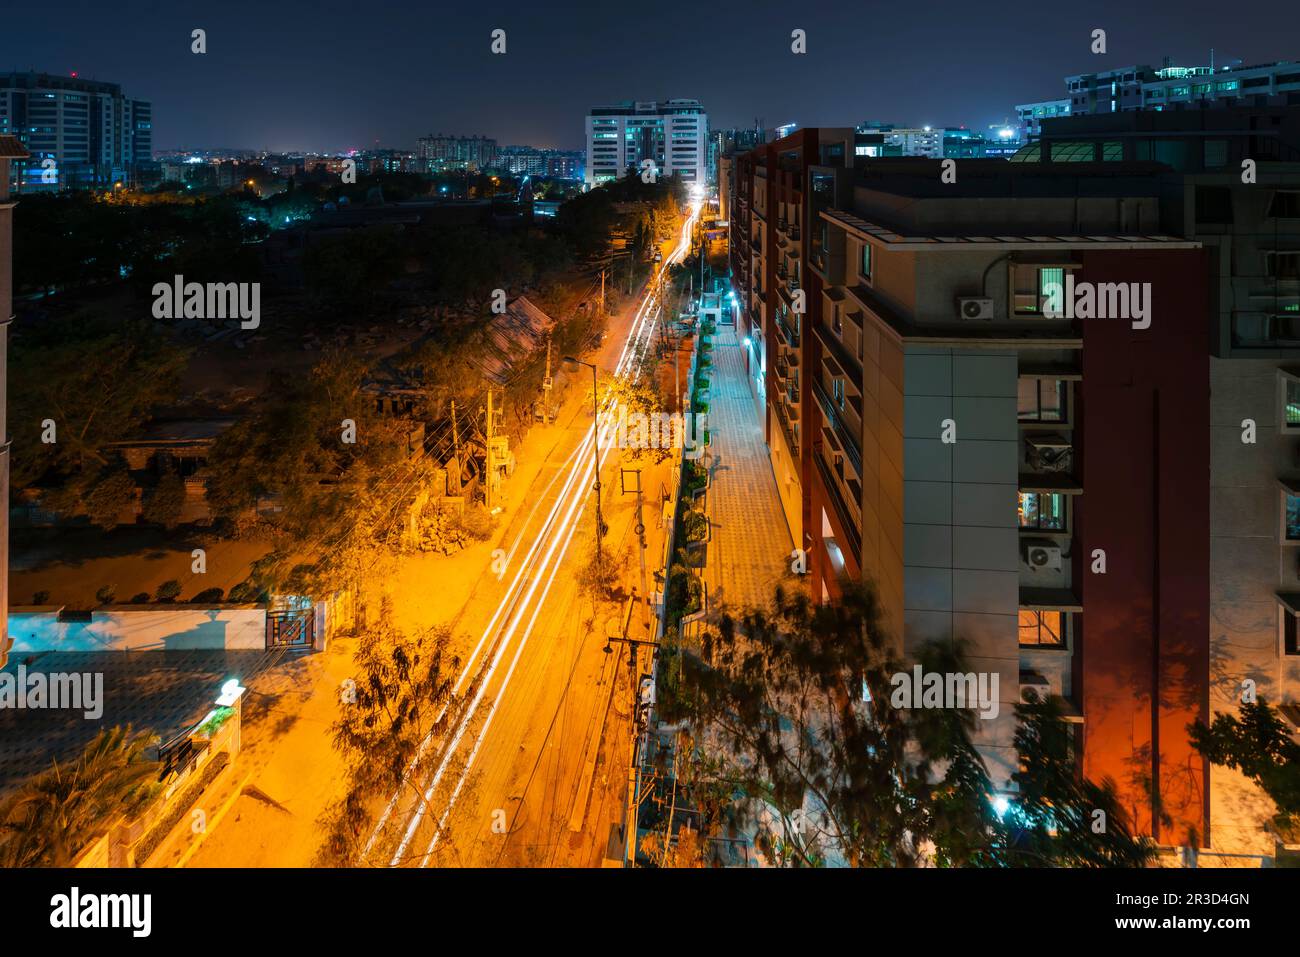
(259, 85)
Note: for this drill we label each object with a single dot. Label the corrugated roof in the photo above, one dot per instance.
(517, 334)
(10, 148)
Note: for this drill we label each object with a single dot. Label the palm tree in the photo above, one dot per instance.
(50, 817)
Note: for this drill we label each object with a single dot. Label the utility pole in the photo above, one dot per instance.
(546, 387)
(487, 493)
(640, 531)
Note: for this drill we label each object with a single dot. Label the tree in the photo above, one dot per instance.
(349, 273)
(789, 752)
(104, 501)
(1260, 746)
(327, 479)
(400, 697)
(51, 817)
(1058, 818)
(820, 775)
(97, 380)
(165, 502)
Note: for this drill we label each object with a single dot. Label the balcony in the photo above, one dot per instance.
(834, 346)
(841, 507)
(786, 427)
(786, 335)
(849, 442)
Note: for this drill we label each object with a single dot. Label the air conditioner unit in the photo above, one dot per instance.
(1049, 453)
(974, 307)
(1032, 685)
(1041, 554)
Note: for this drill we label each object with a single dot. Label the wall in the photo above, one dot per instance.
(130, 628)
(1144, 642)
(960, 540)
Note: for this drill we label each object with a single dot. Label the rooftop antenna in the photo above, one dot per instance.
(1211, 59)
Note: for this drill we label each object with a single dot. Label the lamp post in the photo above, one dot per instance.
(572, 364)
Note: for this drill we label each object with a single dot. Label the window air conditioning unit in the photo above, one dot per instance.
(1041, 554)
(974, 307)
(1034, 685)
(1049, 453)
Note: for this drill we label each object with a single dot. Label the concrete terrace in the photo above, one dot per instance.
(164, 692)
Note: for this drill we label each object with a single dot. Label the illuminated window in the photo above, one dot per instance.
(1041, 400)
(1292, 403)
(1292, 517)
(1042, 629)
(866, 260)
(1032, 285)
(838, 386)
(1045, 511)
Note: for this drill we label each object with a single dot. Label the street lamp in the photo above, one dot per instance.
(570, 363)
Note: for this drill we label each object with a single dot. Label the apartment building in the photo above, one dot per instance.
(974, 457)
(1031, 115)
(437, 152)
(1251, 235)
(78, 133)
(11, 151)
(672, 134)
(1142, 87)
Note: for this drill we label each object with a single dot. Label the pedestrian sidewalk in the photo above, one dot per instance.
(751, 543)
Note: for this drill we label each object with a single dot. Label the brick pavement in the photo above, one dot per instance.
(751, 543)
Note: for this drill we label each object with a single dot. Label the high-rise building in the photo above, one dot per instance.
(1251, 235)
(1031, 485)
(78, 133)
(673, 135)
(11, 151)
(439, 152)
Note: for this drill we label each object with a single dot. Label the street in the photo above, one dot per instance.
(529, 772)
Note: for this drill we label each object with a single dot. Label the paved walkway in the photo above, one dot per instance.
(751, 543)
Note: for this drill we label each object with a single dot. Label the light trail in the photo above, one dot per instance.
(516, 601)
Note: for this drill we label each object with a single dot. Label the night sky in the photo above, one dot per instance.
(329, 75)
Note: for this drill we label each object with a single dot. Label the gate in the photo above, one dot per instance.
(291, 623)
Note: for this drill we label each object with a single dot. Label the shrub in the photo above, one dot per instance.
(209, 596)
(106, 595)
(245, 591)
(140, 598)
(697, 476)
(696, 525)
(169, 590)
(685, 591)
(41, 598)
